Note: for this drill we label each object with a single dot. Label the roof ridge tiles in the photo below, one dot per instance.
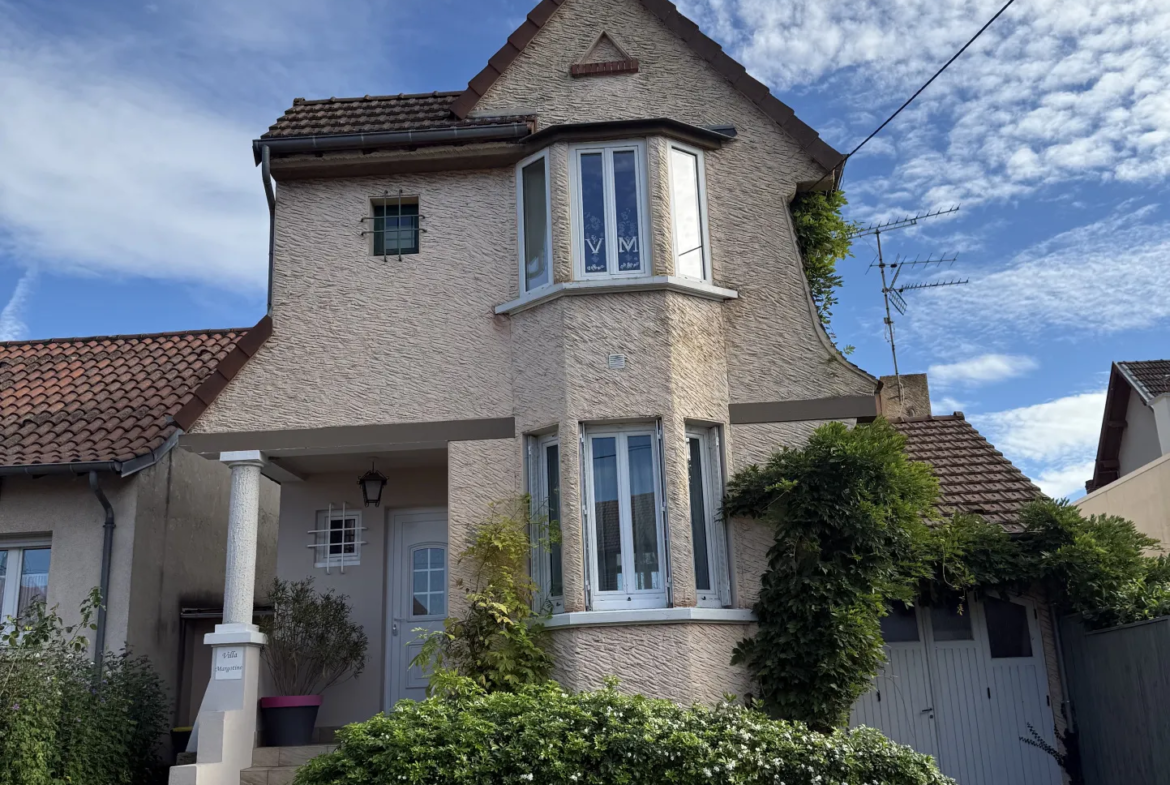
(367, 97)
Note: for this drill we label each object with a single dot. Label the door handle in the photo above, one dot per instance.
(924, 711)
(394, 628)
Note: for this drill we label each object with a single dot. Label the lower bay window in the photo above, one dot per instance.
(544, 461)
(24, 576)
(708, 534)
(625, 533)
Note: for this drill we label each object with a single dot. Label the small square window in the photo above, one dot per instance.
(338, 540)
(395, 225)
(1007, 629)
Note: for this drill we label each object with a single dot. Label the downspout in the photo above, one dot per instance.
(266, 172)
(99, 646)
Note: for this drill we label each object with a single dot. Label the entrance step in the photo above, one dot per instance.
(278, 765)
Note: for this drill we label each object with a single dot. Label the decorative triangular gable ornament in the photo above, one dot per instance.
(605, 58)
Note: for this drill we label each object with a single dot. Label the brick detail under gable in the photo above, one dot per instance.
(612, 68)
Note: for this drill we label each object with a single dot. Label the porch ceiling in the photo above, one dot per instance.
(358, 463)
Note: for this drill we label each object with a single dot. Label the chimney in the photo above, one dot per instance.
(910, 401)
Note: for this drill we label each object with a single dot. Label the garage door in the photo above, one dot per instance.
(963, 685)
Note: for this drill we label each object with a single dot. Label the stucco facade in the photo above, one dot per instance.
(370, 342)
(1141, 495)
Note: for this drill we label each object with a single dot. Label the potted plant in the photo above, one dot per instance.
(312, 645)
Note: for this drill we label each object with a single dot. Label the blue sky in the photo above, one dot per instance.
(129, 202)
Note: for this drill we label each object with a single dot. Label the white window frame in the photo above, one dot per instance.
(520, 218)
(13, 572)
(701, 166)
(607, 150)
(625, 599)
(321, 545)
(718, 566)
(538, 490)
(426, 546)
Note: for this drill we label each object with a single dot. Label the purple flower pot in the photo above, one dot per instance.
(289, 720)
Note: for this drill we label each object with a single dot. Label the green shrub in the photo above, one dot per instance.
(541, 734)
(65, 723)
(822, 235)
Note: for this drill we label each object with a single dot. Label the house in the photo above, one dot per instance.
(93, 493)
(576, 278)
(1131, 475)
(963, 686)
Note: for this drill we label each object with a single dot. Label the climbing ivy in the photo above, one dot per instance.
(822, 235)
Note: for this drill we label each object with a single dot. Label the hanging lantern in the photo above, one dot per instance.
(372, 483)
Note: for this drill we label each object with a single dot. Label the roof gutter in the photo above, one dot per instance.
(99, 643)
(79, 468)
(323, 143)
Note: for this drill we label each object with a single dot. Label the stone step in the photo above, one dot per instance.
(268, 775)
(274, 757)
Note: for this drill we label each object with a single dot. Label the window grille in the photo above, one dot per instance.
(395, 225)
(338, 539)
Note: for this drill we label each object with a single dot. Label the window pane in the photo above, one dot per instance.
(606, 515)
(900, 625)
(644, 513)
(429, 582)
(625, 189)
(948, 624)
(395, 228)
(537, 271)
(3, 575)
(593, 212)
(687, 216)
(553, 483)
(1007, 628)
(34, 578)
(698, 514)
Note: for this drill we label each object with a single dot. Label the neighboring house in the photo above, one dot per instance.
(963, 686)
(577, 279)
(90, 486)
(1131, 476)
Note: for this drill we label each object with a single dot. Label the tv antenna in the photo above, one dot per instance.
(891, 271)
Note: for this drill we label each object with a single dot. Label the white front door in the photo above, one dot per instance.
(416, 586)
(963, 686)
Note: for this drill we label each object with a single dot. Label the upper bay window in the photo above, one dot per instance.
(609, 210)
(624, 521)
(688, 197)
(533, 205)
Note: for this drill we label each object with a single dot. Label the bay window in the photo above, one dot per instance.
(24, 577)
(609, 210)
(624, 517)
(708, 535)
(688, 203)
(544, 456)
(534, 206)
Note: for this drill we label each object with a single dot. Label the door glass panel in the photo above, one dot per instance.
(553, 483)
(537, 271)
(34, 578)
(1007, 628)
(686, 214)
(625, 187)
(429, 582)
(950, 625)
(643, 512)
(900, 625)
(606, 514)
(593, 212)
(3, 576)
(698, 514)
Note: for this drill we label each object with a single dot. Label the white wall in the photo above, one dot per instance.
(1139, 442)
(365, 584)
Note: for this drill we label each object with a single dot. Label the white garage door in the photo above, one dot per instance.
(963, 687)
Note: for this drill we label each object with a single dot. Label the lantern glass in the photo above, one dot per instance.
(372, 483)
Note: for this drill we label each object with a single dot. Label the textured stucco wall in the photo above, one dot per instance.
(65, 509)
(1142, 496)
(365, 583)
(1139, 442)
(688, 663)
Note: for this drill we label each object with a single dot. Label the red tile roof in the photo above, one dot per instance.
(374, 113)
(101, 399)
(972, 475)
(1150, 378)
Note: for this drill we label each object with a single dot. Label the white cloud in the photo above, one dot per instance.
(984, 369)
(1065, 481)
(946, 405)
(12, 326)
(1055, 90)
(1100, 278)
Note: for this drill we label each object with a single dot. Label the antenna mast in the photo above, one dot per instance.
(891, 292)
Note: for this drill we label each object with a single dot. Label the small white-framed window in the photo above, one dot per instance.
(24, 576)
(544, 456)
(395, 225)
(338, 538)
(708, 532)
(428, 581)
(624, 517)
(688, 206)
(610, 213)
(533, 208)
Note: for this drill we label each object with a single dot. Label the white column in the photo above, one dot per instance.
(225, 729)
(243, 524)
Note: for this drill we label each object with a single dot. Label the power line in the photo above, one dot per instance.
(918, 92)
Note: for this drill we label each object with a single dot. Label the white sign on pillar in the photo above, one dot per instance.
(229, 663)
